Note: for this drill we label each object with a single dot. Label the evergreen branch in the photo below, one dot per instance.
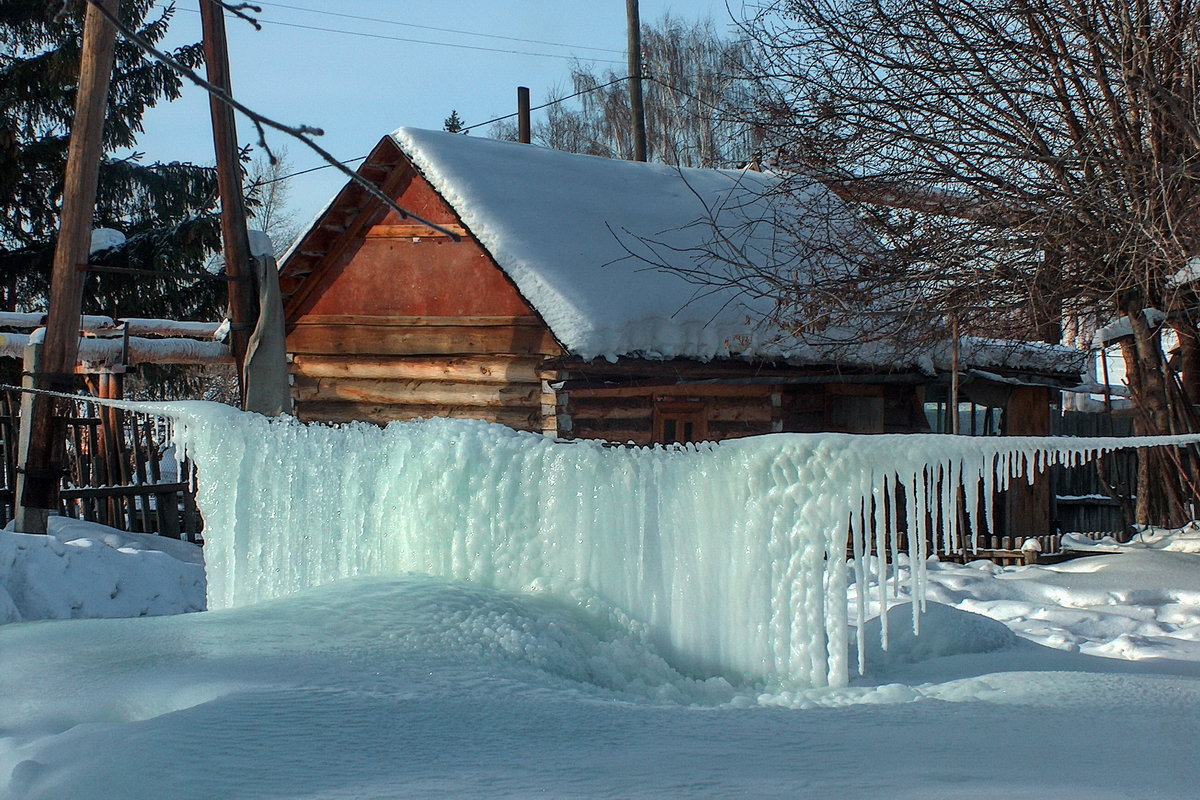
(301, 132)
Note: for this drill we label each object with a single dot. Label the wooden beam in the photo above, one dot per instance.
(477, 369)
(420, 340)
(42, 460)
(521, 418)
(417, 393)
(413, 231)
(677, 390)
(243, 311)
(460, 321)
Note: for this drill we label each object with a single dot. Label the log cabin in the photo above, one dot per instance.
(564, 295)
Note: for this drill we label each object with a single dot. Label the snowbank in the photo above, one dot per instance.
(83, 569)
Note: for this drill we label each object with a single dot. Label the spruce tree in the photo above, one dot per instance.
(166, 211)
(453, 123)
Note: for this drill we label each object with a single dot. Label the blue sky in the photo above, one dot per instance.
(393, 68)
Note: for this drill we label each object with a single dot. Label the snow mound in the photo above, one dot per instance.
(536, 637)
(944, 631)
(82, 569)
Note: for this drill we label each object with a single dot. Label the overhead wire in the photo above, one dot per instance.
(410, 40)
(435, 28)
(467, 128)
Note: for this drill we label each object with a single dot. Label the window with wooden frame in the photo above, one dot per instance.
(680, 421)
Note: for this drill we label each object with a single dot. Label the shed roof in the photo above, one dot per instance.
(600, 249)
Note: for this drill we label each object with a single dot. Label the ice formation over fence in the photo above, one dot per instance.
(731, 557)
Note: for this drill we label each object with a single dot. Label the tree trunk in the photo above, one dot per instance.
(1165, 474)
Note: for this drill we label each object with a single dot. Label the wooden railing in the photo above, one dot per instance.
(121, 471)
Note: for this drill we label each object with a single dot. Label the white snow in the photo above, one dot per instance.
(583, 239)
(97, 352)
(1079, 681)
(105, 239)
(260, 243)
(83, 569)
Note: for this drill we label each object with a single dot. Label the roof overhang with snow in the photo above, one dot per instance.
(610, 254)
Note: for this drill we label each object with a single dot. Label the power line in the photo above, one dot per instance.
(551, 102)
(467, 128)
(434, 28)
(408, 40)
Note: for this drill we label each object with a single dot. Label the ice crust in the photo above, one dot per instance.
(725, 556)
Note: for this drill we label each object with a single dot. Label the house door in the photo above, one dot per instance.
(679, 422)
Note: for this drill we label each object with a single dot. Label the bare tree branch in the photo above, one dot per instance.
(301, 132)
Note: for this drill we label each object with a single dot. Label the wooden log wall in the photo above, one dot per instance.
(378, 369)
(627, 413)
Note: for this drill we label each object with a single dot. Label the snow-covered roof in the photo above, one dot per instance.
(562, 225)
(600, 248)
(607, 252)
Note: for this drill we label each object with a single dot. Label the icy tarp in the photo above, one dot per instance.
(731, 558)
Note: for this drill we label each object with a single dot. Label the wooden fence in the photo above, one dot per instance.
(1096, 498)
(121, 471)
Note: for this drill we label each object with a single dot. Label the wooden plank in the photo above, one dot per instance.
(464, 321)
(413, 231)
(476, 369)
(431, 340)
(524, 418)
(621, 409)
(371, 390)
(758, 412)
(390, 187)
(676, 391)
(93, 492)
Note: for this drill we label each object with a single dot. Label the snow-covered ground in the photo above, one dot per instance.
(1080, 680)
(87, 570)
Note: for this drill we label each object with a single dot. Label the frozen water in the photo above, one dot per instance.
(725, 557)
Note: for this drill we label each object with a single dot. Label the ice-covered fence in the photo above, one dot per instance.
(118, 468)
(732, 556)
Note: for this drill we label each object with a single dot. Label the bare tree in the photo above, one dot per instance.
(1021, 158)
(268, 198)
(693, 86)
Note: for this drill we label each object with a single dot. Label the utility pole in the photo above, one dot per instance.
(42, 459)
(524, 135)
(235, 240)
(638, 112)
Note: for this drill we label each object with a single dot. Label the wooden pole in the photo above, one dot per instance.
(637, 111)
(953, 375)
(42, 465)
(235, 240)
(524, 134)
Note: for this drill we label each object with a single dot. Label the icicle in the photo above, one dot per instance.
(858, 523)
(649, 531)
(893, 517)
(879, 516)
(914, 506)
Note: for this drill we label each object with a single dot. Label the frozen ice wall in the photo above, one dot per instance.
(731, 557)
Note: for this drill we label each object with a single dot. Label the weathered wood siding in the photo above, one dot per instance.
(631, 414)
(398, 321)
(853, 408)
(1027, 507)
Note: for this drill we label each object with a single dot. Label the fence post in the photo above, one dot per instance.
(27, 518)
